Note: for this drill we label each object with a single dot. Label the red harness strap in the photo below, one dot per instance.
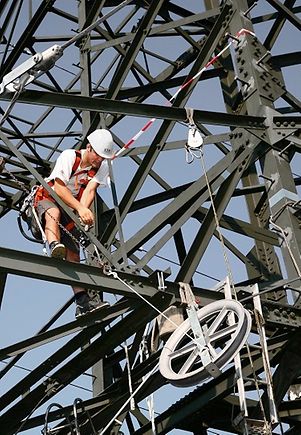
(42, 193)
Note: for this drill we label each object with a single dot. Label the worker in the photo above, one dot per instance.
(75, 179)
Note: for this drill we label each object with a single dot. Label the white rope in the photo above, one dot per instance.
(143, 350)
(287, 245)
(129, 399)
(132, 402)
(115, 275)
(227, 263)
(10, 106)
(256, 384)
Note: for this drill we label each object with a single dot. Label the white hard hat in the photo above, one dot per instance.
(101, 141)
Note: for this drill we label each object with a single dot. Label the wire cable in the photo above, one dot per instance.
(178, 264)
(10, 106)
(129, 399)
(218, 228)
(31, 412)
(30, 371)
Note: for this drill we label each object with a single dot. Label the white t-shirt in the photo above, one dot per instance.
(63, 170)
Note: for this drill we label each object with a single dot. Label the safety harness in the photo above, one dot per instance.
(38, 193)
(42, 193)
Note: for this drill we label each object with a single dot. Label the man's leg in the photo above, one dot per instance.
(74, 257)
(84, 303)
(52, 230)
(50, 215)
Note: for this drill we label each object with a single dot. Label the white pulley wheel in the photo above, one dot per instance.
(225, 325)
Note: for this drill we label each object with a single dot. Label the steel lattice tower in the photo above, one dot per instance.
(125, 72)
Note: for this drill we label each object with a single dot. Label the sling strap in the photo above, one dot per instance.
(42, 193)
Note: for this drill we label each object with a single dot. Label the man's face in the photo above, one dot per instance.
(94, 159)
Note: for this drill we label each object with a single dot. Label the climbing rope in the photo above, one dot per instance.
(285, 238)
(129, 399)
(144, 353)
(218, 227)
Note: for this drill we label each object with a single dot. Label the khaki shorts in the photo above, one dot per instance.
(42, 207)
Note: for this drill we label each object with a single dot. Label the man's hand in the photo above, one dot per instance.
(86, 215)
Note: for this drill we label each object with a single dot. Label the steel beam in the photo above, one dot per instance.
(26, 37)
(135, 109)
(134, 48)
(88, 356)
(209, 225)
(217, 388)
(166, 127)
(286, 12)
(75, 326)
(159, 29)
(63, 272)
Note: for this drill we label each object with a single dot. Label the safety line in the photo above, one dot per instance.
(115, 275)
(129, 399)
(285, 238)
(31, 412)
(17, 366)
(183, 86)
(216, 219)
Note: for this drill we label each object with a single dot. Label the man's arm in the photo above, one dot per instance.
(89, 194)
(83, 211)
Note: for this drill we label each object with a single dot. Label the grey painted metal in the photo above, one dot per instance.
(202, 395)
(284, 9)
(83, 361)
(134, 109)
(209, 225)
(62, 331)
(132, 52)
